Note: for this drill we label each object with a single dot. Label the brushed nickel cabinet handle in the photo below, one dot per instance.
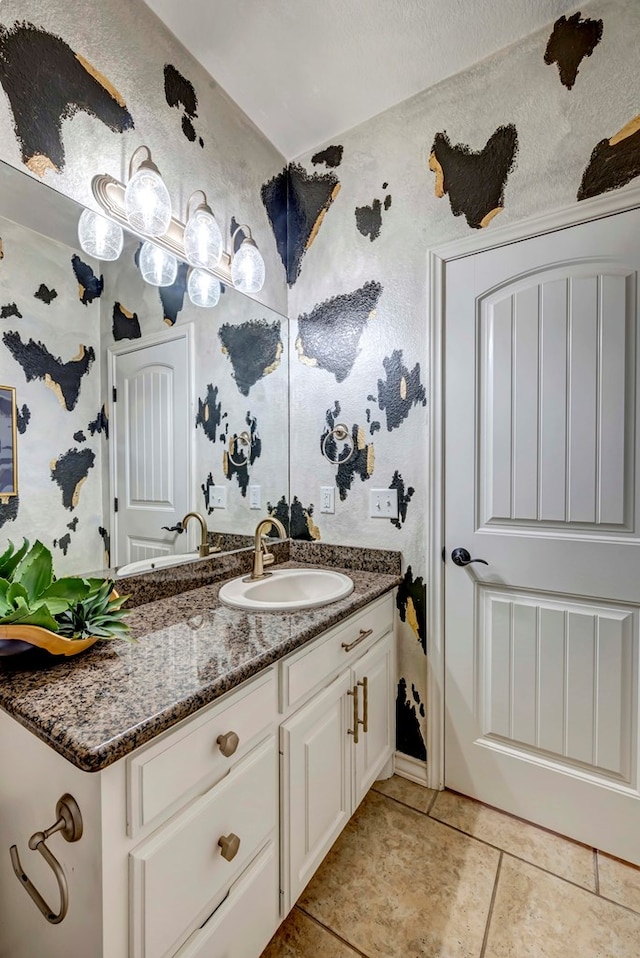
(228, 743)
(364, 634)
(229, 845)
(365, 703)
(69, 824)
(354, 731)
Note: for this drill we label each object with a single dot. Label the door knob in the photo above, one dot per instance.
(462, 557)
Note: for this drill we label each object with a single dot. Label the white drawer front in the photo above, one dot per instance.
(305, 670)
(179, 874)
(246, 920)
(165, 774)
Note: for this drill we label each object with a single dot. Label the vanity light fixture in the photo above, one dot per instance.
(146, 198)
(99, 236)
(158, 267)
(202, 236)
(247, 264)
(203, 287)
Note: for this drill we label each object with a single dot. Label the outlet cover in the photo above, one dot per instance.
(218, 497)
(383, 503)
(255, 499)
(328, 499)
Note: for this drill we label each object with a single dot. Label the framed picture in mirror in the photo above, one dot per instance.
(8, 444)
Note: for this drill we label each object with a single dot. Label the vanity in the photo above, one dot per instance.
(214, 762)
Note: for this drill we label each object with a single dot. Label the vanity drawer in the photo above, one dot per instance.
(305, 670)
(246, 920)
(179, 875)
(166, 773)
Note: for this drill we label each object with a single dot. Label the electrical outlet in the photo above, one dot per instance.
(328, 499)
(255, 499)
(383, 503)
(218, 497)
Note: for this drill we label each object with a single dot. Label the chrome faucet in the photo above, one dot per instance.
(261, 556)
(203, 548)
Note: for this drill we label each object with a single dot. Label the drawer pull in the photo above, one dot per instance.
(364, 634)
(229, 845)
(228, 743)
(365, 704)
(356, 721)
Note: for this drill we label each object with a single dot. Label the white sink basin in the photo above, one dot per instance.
(287, 590)
(158, 562)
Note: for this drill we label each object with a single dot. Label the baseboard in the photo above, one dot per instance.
(412, 768)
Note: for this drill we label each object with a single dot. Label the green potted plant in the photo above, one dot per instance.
(63, 616)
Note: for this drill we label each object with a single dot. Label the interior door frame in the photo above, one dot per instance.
(617, 201)
(185, 331)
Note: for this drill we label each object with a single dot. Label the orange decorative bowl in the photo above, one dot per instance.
(32, 636)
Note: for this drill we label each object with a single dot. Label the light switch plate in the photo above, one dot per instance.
(255, 499)
(218, 497)
(383, 503)
(328, 499)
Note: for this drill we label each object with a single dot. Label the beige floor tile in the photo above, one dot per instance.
(417, 796)
(537, 915)
(300, 937)
(619, 881)
(397, 883)
(558, 855)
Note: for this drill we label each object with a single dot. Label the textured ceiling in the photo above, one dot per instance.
(307, 70)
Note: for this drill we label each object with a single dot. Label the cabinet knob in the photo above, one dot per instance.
(228, 743)
(229, 845)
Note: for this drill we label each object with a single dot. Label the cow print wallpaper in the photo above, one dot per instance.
(528, 130)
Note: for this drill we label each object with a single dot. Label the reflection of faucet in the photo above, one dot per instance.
(261, 557)
(203, 548)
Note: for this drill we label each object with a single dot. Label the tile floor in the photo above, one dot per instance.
(421, 874)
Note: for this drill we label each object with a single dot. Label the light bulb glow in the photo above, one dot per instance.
(147, 202)
(99, 236)
(158, 267)
(203, 240)
(247, 268)
(203, 288)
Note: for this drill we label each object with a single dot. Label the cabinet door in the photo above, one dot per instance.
(316, 786)
(374, 674)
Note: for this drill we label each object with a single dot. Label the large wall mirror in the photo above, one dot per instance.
(132, 405)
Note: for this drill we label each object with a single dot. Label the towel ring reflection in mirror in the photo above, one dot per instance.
(243, 439)
(340, 432)
(8, 444)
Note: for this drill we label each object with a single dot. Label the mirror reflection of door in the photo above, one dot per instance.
(7, 441)
(153, 468)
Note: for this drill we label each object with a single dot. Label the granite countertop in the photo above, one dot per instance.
(96, 708)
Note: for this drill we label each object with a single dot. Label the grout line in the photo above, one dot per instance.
(399, 801)
(491, 904)
(356, 951)
(596, 871)
(433, 801)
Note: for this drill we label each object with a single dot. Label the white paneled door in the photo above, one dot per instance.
(152, 456)
(542, 387)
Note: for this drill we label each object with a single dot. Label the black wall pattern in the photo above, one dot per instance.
(172, 297)
(11, 309)
(254, 349)
(329, 336)
(126, 324)
(354, 457)
(571, 41)
(69, 471)
(238, 457)
(64, 378)
(405, 496)
(399, 392)
(613, 163)
(45, 82)
(474, 181)
(23, 418)
(180, 93)
(90, 286)
(9, 512)
(207, 488)
(100, 423)
(296, 203)
(411, 600)
(298, 521)
(209, 414)
(44, 294)
(106, 540)
(369, 218)
(331, 157)
(409, 739)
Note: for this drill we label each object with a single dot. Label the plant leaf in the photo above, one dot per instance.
(11, 558)
(35, 570)
(25, 616)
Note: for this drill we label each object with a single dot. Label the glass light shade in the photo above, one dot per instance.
(247, 268)
(158, 267)
(203, 239)
(99, 236)
(203, 288)
(147, 202)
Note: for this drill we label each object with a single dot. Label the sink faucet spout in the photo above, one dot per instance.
(261, 556)
(203, 548)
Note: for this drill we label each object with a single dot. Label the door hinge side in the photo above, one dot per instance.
(115, 504)
(114, 394)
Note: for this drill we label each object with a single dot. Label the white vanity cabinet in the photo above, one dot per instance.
(334, 746)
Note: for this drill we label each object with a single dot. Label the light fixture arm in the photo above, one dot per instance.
(247, 233)
(204, 205)
(148, 163)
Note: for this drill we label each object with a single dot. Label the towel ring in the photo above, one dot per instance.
(341, 433)
(243, 438)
